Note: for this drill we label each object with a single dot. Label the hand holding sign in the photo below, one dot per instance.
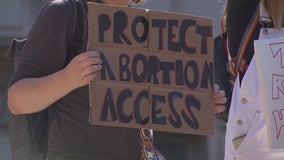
(85, 67)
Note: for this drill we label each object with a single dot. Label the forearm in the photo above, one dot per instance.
(34, 94)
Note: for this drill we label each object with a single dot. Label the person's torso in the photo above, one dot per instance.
(71, 136)
(247, 117)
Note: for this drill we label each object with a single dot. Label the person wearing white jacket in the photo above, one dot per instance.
(246, 133)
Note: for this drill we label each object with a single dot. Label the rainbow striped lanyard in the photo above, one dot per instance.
(238, 63)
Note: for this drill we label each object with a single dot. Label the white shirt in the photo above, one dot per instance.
(246, 118)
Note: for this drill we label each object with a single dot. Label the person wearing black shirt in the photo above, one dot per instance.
(41, 78)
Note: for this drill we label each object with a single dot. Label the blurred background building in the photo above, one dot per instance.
(16, 17)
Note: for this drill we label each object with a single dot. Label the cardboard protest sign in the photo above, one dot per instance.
(118, 27)
(157, 70)
(270, 66)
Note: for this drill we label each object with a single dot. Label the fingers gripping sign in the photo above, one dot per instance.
(219, 99)
(90, 65)
(83, 68)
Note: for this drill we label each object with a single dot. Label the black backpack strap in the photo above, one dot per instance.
(79, 29)
(15, 48)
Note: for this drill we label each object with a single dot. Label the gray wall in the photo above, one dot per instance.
(207, 8)
(16, 18)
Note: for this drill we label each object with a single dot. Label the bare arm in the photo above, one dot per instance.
(34, 94)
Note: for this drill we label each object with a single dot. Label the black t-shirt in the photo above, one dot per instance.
(71, 137)
(238, 17)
